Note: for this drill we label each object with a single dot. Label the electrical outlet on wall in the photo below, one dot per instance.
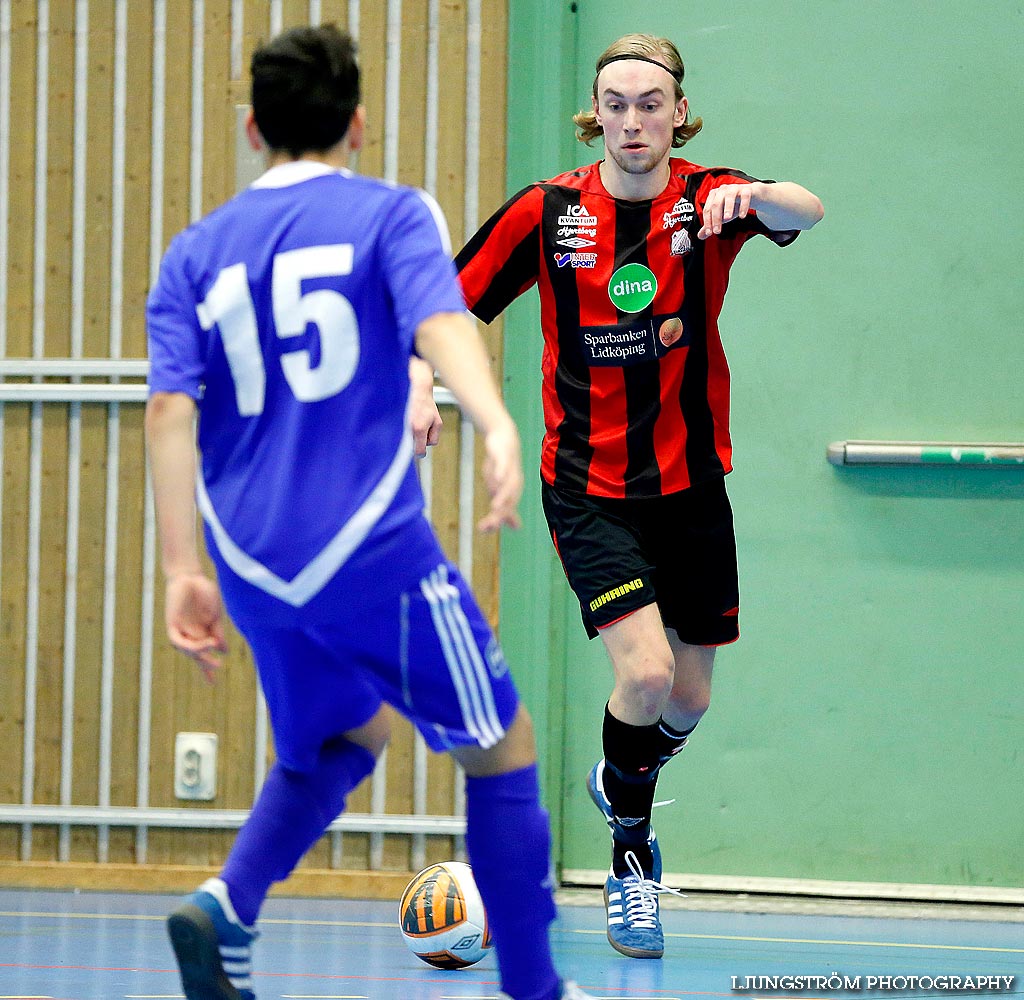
(195, 766)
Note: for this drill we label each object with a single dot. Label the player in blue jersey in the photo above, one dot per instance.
(285, 320)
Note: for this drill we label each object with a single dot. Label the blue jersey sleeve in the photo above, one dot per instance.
(177, 343)
(416, 251)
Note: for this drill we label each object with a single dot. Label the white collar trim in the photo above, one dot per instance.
(294, 172)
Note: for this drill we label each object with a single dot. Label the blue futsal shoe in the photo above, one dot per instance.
(212, 946)
(634, 918)
(595, 786)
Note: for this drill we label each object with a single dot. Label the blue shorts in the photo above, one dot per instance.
(374, 635)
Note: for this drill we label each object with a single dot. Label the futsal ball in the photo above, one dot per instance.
(442, 917)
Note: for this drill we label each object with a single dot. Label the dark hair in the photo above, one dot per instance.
(305, 88)
(648, 48)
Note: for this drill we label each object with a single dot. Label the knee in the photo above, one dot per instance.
(691, 701)
(649, 684)
(516, 749)
(373, 735)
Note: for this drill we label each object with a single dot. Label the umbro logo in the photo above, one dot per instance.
(576, 242)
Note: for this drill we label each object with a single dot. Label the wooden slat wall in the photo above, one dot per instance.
(120, 39)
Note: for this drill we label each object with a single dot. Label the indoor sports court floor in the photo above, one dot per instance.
(95, 946)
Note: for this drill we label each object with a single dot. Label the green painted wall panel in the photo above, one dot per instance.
(868, 725)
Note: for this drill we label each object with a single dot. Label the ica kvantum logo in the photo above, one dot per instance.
(632, 288)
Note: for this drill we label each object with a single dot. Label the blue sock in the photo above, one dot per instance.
(291, 813)
(509, 847)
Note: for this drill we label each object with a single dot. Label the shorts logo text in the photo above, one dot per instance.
(609, 595)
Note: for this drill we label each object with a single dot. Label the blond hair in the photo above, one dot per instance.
(648, 48)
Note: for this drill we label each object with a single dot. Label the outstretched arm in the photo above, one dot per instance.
(784, 205)
(451, 343)
(192, 608)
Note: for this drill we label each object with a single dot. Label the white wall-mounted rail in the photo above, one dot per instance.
(992, 455)
(220, 819)
(59, 392)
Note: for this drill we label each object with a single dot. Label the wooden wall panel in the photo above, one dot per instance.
(372, 38)
(138, 159)
(89, 622)
(493, 108)
(181, 701)
(336, 11)
(451, 146)
(98, 181)
(294, 13)
(59, 126)
(177, 119)
(18, 311)
(255, 29)
(412, 93)
(49, 645)
(13, 601)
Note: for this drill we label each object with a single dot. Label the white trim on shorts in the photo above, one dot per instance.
(466, 666)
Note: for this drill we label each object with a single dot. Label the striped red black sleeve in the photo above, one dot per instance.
(502, 260)
(746, 227)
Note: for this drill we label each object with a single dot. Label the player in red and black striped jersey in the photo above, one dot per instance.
(631, 256)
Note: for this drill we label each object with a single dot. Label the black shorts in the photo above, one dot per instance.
(678, 551)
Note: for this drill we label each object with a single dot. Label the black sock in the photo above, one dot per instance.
(632, 761)
(671, 741)
(643, 853)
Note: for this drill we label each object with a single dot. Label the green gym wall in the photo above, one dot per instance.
(867, 727)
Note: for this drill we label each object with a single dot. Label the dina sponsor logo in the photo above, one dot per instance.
(632, 288)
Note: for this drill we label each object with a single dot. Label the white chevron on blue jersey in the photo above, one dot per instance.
(316, 573)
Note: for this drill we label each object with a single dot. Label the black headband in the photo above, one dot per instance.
(653, 62)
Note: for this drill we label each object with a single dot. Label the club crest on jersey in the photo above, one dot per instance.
(681, 243)
(576, 259)
(682, 212)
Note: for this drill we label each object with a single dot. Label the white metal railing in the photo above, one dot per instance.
(142, 816)
(220, 819)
